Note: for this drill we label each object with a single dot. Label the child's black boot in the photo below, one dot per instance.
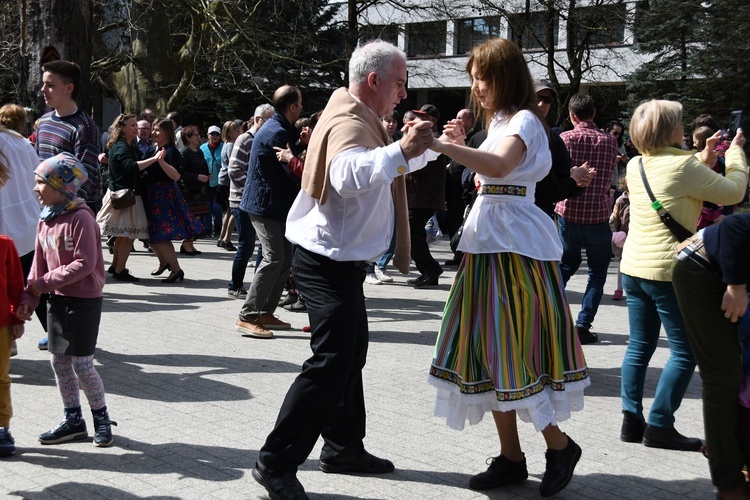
(73, 428)
(102, 428)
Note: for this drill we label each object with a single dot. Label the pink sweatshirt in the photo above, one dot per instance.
(68, 257)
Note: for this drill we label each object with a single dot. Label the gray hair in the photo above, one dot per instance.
(376, 56)
(262, 109)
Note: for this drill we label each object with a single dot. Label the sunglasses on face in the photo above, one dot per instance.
(615, 134)
(546, 99)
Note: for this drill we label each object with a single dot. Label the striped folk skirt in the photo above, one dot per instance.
(508, 342)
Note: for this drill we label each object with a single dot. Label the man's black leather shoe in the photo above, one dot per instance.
(669, 439)
(365, 463)
(427, 280)
(283, 486)
(500, 472)
(560, 466)
(632, 428)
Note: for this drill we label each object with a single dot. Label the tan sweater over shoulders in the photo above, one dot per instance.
(347, 123)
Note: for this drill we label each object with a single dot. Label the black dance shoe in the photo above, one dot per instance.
(365, 463)
(125, 276)
(283, 486)
(174, 276)
(560, 467)
(500, 472)
(160, 270)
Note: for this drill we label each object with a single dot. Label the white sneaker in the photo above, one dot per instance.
(371, 279)
(382, 275)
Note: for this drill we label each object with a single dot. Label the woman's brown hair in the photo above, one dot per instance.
(117, 125)
(166, 127)
(13, 117)
(500, 63)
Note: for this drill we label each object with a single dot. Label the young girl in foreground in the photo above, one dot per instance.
(68, 264)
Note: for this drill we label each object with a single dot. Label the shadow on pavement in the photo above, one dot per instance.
(137, 376)
(85, 490)
(207, 463)
(606, 382)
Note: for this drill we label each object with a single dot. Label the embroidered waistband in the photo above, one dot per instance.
(507, 189)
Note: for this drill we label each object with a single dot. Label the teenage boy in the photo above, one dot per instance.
(69, 129)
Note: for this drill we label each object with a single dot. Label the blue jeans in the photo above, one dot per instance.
(245, 245)
(651, 304)
(387, 256)
(596, 239)
(215, 213)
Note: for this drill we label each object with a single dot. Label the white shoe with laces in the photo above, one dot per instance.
(371, 279)
(382, 275)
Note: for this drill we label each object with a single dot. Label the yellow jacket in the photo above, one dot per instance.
(681, 182)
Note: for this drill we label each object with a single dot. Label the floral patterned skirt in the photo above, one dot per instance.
(169, 217)
(508, 342)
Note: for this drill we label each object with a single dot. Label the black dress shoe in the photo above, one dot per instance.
(174, 276)
(160, 270)
(365, 463)
(453, 262)
(125, 275)
(632, 428)
(560, 467)
(283, 486)
(669, 439)
(427, 280)
(586, 336)
(185, 251)
(500, 472)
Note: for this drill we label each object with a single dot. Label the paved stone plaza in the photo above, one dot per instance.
(195, 400)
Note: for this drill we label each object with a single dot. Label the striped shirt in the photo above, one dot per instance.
(586, 143)
(76, 134)
(237, 169)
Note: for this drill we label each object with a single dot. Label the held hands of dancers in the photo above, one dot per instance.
(417, 138)
(453, 133)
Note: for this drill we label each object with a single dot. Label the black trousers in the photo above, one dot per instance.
(420, 249)
(327, 398)
(713, 339)
(455, 205)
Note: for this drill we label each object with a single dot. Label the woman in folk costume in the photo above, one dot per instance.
(507, 343)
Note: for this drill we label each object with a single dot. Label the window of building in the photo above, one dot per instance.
(426, 39)
(471, 32)
(530, 31)
(387, 33)
(602, 24)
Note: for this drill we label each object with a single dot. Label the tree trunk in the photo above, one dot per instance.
(146, 78)
(51, 30)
